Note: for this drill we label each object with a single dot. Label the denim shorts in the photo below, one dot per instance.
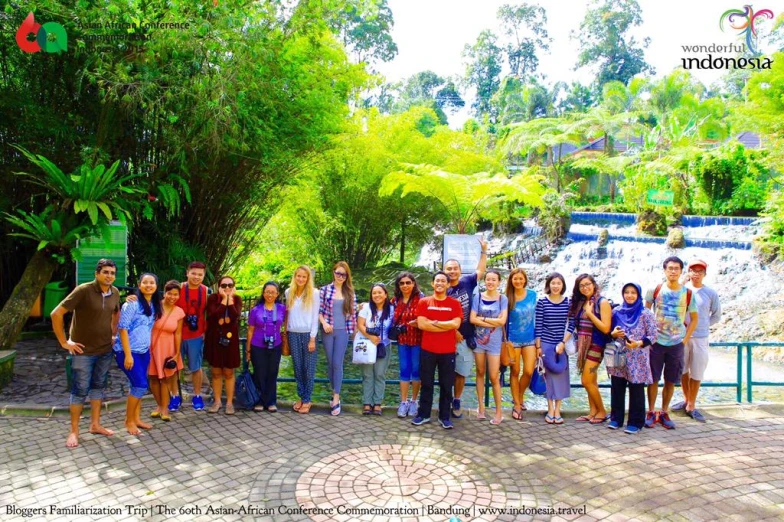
(89, 375)
(193, 350)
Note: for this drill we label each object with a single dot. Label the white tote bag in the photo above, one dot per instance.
(570, 346)
(364, 350)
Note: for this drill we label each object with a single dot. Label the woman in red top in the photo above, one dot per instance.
(221, 342)
(406, 299)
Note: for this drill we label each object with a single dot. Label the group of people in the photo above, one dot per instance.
(449, 332)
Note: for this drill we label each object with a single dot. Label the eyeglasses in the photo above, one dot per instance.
(405, 283)
(340, 274)
(586, 285)
(227, 285)
(673, 269)
(699, 272)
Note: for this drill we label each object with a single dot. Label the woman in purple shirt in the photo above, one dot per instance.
(265, 344)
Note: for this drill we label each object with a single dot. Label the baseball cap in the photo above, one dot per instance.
(698, 262)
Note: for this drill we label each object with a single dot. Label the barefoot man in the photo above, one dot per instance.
(95, 308)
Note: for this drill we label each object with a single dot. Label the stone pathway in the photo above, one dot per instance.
(287, 466)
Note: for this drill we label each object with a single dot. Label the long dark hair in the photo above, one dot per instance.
(510, 289)
(347, 289)
(415, 292)
(268, 283)
(578, 299)
(154, 306)
(374, 308)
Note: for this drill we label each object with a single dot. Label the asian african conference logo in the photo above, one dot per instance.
(49, 37)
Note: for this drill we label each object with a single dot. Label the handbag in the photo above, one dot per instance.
(246, 396)
(615, 355)
(507, 351)
(538, 385)
(381, 351)
(570, 346)
(364, 350)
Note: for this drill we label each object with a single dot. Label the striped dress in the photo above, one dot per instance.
(551, 323)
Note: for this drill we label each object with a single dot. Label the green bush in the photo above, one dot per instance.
(734, 179)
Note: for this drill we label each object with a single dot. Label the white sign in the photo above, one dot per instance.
(465, 248)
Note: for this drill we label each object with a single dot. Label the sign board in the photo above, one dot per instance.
(94, 248)
(463, 247)
(662, 198)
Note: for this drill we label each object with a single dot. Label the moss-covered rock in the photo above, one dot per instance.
(604, 237)
(675, 238)
(651, 222)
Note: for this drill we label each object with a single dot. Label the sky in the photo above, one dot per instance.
(431, 34)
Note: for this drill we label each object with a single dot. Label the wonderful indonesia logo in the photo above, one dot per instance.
(744, 23)
(49, 37)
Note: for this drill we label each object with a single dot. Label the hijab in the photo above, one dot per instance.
(628, 314)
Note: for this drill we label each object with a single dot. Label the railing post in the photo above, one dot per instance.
(487, 389)
(748, 374)
(739, 387)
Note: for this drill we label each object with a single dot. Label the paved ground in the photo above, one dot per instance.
(204, 467)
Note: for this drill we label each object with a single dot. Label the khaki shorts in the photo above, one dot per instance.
(464, 359)
(695, 358)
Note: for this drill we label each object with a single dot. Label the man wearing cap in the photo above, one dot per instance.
(695, 353)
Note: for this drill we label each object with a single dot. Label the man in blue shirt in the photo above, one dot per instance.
(462, 288)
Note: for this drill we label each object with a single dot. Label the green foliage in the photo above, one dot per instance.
(364, 26)
(771, 241)
(525, 26)
(483, 69)
(606, 44)
(652, 222)
(555, 215)
(734, 179)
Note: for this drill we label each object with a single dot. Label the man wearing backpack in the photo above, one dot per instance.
(671, 303)
(695, 358)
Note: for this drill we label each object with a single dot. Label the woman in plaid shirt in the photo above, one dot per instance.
(338, 318)
(407, 295)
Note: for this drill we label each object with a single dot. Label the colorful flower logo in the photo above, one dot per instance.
(42, 34)
(747, 23)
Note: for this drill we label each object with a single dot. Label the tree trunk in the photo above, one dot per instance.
(16, 310)
(403, 241)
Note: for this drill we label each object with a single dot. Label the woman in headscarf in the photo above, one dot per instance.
(634, 325)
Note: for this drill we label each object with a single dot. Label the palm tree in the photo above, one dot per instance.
(76, 206)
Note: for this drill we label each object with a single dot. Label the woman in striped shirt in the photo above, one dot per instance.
(552, 332)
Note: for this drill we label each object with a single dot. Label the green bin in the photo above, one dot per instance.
(54, 292)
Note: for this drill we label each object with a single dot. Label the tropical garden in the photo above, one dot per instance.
(258, 136)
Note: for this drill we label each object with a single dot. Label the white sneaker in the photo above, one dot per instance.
(413, 408)
(402, 411)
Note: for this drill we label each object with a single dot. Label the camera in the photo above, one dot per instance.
(224, 341)
(396, 331)
(192, 320)
(270, 342)
(169, 363)
(376, 331)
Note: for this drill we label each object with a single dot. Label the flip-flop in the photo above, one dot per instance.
(155, 414)
(597, 420)
(335, 410)
(480, 415)
(297, 405)
(492, 421)
(584, 418)
(304, 409)
(517, 414)
(558, 420)
(272, 409)
(165, 418)
(549, 420)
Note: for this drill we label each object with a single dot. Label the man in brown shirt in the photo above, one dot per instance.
(95, 308)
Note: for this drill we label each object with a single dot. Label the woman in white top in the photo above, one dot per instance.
(374, 322)
(302, 302)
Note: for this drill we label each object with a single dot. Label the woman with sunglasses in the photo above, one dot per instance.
(221, 342)
(593, 316)
(407, 295)
(374, 322)
(338, 318)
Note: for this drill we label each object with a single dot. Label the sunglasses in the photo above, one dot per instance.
(405, 283)
(340, 274)
(227, 285)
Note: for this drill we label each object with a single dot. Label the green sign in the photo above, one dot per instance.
(662, 198)
(95, 248)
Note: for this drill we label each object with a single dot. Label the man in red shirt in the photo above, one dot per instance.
(193, 301)
(438, 317)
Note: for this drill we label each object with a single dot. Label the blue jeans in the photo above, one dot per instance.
(89, 375)
(409, 362)
(137, 375)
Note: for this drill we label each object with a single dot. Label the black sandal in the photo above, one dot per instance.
(367, 409)
(377, 409)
